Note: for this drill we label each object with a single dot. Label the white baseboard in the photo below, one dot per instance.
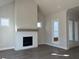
(24, 48)
(2, 49)
(42, 43)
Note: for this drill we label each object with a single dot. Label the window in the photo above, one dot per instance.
(71, 31)
(76, 30)
(4, 22)
(56, 29)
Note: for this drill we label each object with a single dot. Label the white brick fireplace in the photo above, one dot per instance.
(19, 39)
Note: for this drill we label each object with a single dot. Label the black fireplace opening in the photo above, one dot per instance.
(27, 41)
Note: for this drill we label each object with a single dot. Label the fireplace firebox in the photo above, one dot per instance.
(27, 41)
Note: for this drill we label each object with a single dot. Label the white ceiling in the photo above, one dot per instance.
(3, 2)
(50, 6)
(53, 6)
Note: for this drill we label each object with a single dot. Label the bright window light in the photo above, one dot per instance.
(56, 29)
(39, 25)
(4, 22)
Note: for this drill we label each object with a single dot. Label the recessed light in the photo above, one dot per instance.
(54, 54)
(4, 58)
(66, 55)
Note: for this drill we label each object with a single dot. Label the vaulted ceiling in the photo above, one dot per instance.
(3, 2)
(53, 6)
(50, 6)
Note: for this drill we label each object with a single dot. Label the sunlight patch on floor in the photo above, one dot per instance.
(64, 55)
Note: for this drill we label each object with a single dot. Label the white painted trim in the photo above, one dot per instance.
(42, 43)
(30, 47)
(8, 48)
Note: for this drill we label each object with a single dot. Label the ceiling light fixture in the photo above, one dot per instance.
(39, 24)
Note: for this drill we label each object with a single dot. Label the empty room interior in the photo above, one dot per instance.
(39, 29)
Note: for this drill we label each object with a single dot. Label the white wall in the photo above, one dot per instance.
(42, 30)
(7, 33)
(23, 14)
(26, 14)
(61, 16)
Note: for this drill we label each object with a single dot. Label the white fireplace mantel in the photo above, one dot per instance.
(19, 39)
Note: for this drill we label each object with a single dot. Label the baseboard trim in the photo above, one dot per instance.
(2, 49)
